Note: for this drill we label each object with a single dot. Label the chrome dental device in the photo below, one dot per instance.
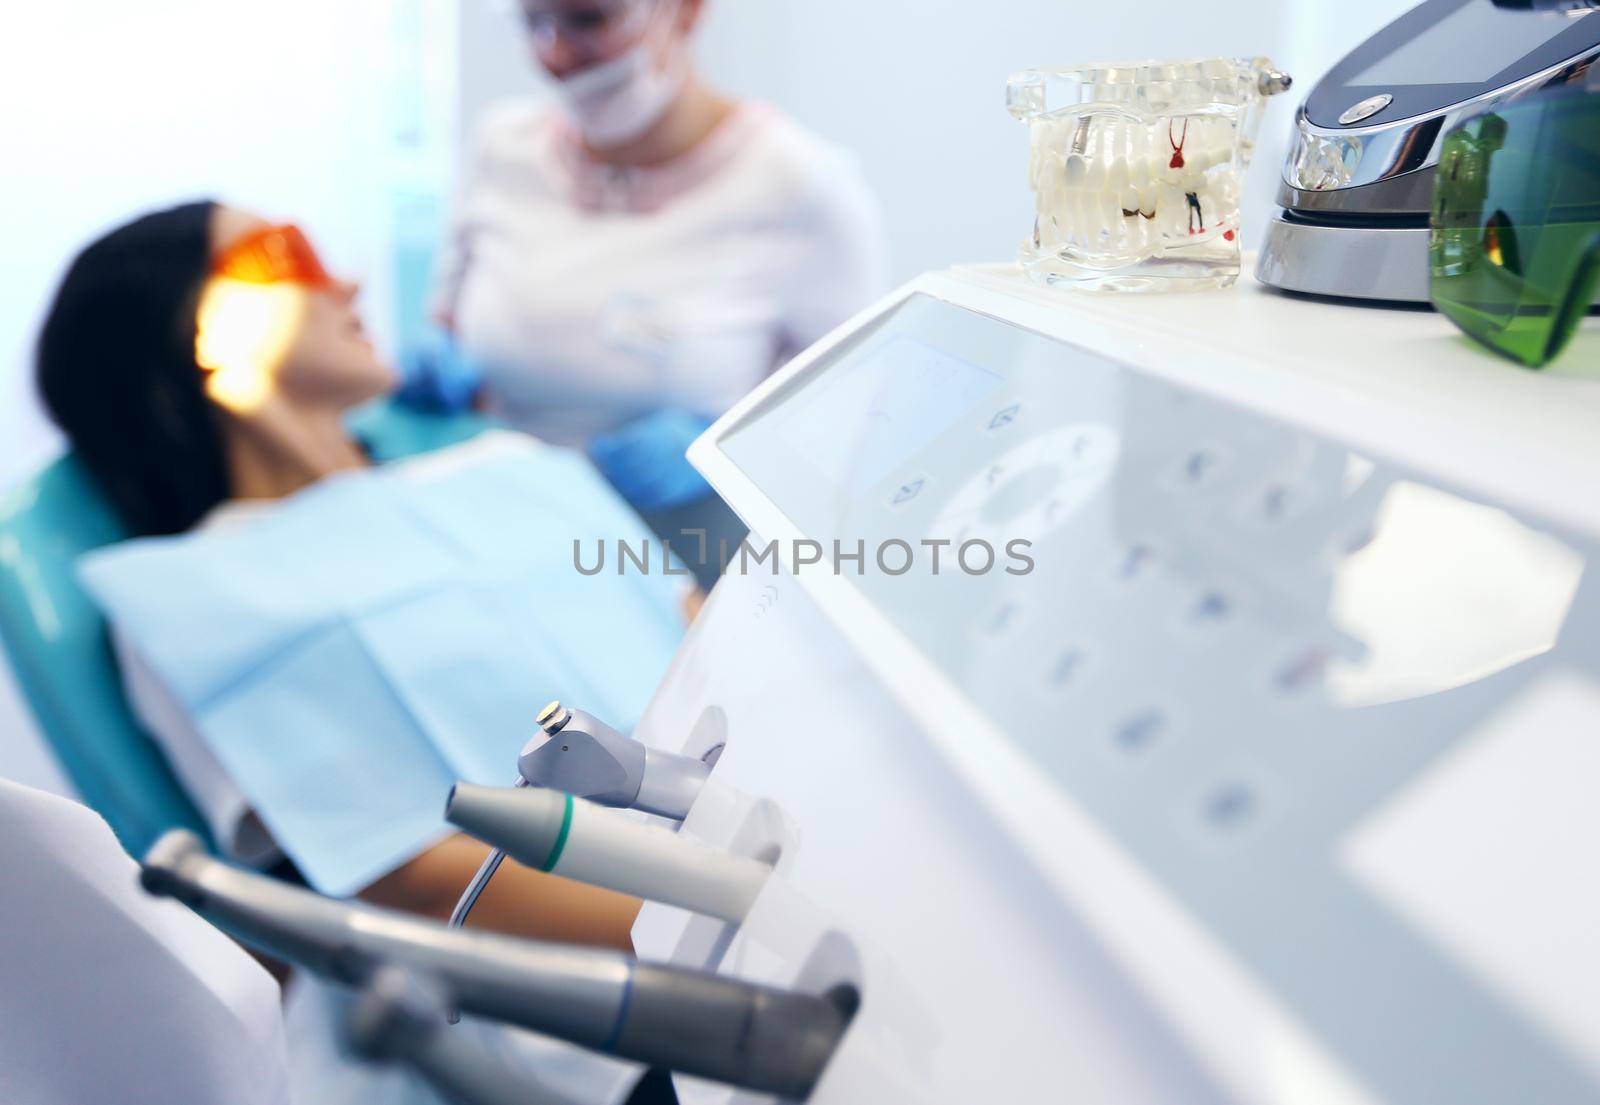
(1358, 184)
(758, 1038)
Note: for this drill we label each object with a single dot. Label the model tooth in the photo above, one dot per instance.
(1222, 141)
(1171, 210)
(1079, 205)
(1159, 169)
(1073, 208)
(1093, 220)
(1046, 169)
(1110, 186)
(1075, 174)
(1199, 150)
(1219, 142)
(1136, 142)
(1095, 179)
(1118, 174)
(1140, 233)
(1110, 218)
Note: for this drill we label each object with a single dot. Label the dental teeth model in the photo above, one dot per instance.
(1137, 169)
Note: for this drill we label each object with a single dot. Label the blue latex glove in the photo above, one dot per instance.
(645, 459)
(436, 376)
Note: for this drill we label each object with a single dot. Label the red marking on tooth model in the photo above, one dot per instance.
(1177, 145)
(1228, 234)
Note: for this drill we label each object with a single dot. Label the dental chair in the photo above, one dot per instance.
(56, 642)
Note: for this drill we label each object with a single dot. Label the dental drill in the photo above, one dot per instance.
(577, 753)
(401, 1017)
(746, 1035)
(587, 843)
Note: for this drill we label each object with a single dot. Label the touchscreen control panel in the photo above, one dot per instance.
(1239, 646)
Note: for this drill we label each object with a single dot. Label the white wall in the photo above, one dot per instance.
(916, 87)
(116, 107)
(1322, 33)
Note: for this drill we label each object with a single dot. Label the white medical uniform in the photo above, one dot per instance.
(593, 295)
(109, 996)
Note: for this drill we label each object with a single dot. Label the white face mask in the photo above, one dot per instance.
(617, 101)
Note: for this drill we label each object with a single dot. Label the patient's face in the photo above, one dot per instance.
(325, 358)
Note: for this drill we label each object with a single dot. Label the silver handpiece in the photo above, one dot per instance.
(754, 1037)
(402, 1017)
(577, 753)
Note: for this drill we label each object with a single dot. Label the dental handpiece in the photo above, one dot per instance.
(577, 753)
(743, 1034)
(582, 841)
(478, 883)
(400, 1017)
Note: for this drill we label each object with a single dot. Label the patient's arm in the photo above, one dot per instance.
(519, 901)
(693, 600)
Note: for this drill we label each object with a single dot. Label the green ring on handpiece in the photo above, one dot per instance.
(561, 839)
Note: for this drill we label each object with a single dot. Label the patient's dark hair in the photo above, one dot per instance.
(116, 368)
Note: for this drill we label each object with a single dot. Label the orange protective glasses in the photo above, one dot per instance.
(273, 255)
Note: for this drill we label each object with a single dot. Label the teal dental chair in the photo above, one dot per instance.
(56, 639)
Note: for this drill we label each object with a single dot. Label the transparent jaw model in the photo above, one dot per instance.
(1137, 170)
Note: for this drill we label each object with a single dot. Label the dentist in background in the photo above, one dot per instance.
(626, 263)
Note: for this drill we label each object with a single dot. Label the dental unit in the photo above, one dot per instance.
(760, 1038)
(1355, 192)
(1264, 784)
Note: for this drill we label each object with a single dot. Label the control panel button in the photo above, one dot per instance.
(1035, 487)
(1067, 669)
(1001, 620)
(908, 491)
(1210, 609)
(1366, 109)
(1231, 806)
(1198, 468)
(1211, 606)
(1136, 562)
(1140, 734)
(1302, 671)
(1024, 499)
(1005, 416)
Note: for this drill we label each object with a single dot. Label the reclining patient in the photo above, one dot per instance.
(319, 645)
